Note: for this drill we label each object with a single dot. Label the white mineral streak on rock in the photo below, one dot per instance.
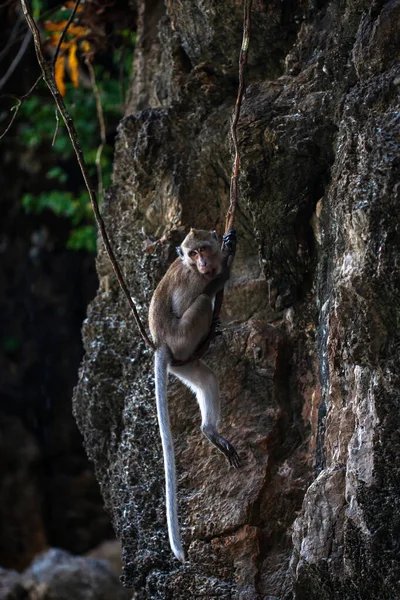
(360, 464)
(321, 514)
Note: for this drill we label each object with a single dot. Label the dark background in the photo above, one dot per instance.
(48, 492)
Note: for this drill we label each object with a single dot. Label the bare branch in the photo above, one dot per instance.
(64, 32)
(17, 59)
(47, 72)
(15, 62)
(121, 76)
(53, 141)
(14, 35)
(17, 106)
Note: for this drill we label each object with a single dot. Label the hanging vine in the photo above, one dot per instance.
(52, 76)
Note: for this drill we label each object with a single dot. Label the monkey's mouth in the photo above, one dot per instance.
(208, 273)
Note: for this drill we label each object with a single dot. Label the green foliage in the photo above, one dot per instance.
(84, 237)
(75, 208)
(58, 174)
(37, 127)
(61, 203)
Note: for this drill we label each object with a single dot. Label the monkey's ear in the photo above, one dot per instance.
(179, 251)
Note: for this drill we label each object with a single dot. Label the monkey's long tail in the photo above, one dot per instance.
(162, 358)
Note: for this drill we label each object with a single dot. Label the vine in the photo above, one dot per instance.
(48, 73)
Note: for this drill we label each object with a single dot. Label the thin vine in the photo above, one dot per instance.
(233, 195)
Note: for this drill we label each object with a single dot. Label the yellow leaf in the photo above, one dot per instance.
(77, 30)
(59, 26)
(54, 39)
(51, 26)
(85, 47)
(59, 73)
(73, 65)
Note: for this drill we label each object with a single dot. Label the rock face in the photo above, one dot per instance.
(308, 364)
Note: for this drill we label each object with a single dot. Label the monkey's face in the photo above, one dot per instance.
(204, 259)
(201, 252)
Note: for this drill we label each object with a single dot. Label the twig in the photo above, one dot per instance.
(17, 59)
(64, 32)
(100, 117)
(13, 36)
(56, 129)
(17, 106)
(48, 76)
(15, 62)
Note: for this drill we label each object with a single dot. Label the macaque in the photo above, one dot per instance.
(180, 318)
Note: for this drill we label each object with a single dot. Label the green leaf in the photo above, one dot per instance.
(83, 238)
(37, 7)
(57, 173)
(29, 202)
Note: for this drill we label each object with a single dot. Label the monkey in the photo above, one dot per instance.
(180, 318)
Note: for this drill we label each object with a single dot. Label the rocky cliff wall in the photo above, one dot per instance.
(308, 364)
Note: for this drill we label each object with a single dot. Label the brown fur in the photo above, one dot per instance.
(181, 311)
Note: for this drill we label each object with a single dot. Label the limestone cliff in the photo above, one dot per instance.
(309, 361)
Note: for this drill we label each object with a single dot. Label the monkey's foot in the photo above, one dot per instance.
(229, 451)
(223, 446)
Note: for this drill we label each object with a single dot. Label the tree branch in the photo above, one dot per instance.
(48, 76)
(17, 59)
(64, 32)
(17, 106)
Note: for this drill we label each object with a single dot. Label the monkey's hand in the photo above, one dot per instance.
(228, 253)
(229, 242)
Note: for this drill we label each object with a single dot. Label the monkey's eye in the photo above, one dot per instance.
(192, 253)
